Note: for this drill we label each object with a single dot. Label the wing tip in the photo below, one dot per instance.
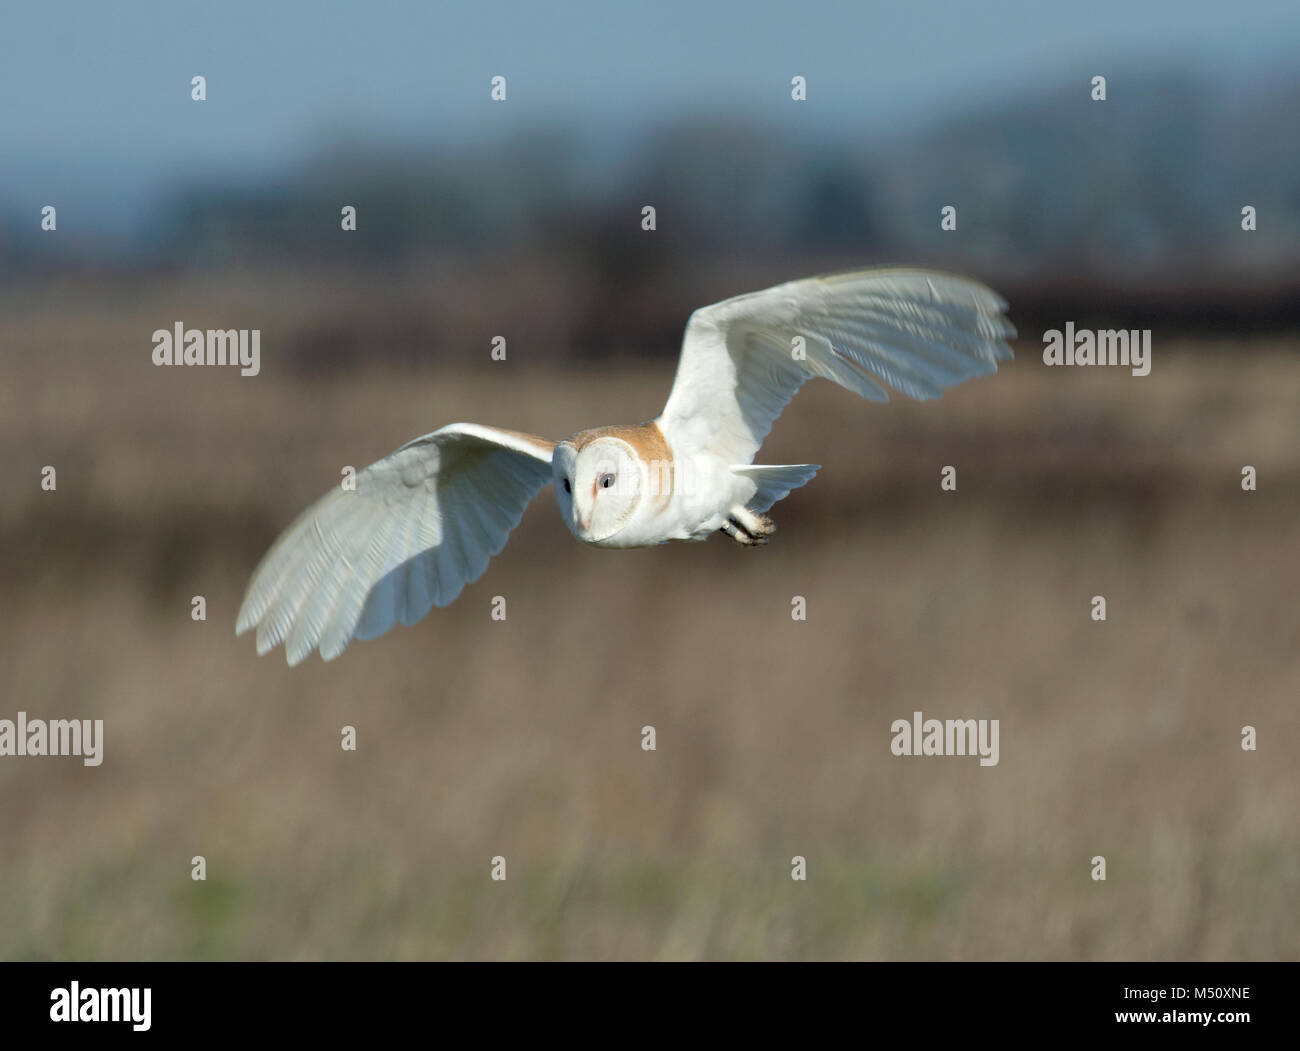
(245, 622)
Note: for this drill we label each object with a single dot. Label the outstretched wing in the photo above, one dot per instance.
(918, 331)
(420, 525)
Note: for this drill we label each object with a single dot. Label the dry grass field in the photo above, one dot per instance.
(522, 738)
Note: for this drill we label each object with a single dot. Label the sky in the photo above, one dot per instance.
(95, 98)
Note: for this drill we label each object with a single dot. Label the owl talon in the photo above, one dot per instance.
(755, 525)
(751, 530)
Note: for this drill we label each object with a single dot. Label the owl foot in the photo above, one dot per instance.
(747, 528)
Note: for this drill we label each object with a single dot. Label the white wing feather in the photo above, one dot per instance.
(918, 331)
(420, 525)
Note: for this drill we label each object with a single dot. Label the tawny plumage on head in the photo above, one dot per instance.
(424, 521)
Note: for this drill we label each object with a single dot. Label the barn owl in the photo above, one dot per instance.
(423, 522)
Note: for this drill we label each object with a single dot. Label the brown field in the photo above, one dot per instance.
(522, 739)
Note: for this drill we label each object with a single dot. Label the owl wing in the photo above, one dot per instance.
(420, 525)
(918, 331)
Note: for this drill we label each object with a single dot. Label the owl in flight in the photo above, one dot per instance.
(423, 522)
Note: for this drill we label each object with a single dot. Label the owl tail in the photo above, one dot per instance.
(774, 482)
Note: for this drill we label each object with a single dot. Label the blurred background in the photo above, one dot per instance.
(521, 738)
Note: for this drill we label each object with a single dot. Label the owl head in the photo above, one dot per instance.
(598, 486)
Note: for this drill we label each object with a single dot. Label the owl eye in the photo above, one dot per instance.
(567, 487)
(606, 480)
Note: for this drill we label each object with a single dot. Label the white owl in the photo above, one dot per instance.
(424, 521)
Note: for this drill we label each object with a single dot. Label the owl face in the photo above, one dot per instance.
(598, 487)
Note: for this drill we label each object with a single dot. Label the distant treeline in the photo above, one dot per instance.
(1139, 197)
